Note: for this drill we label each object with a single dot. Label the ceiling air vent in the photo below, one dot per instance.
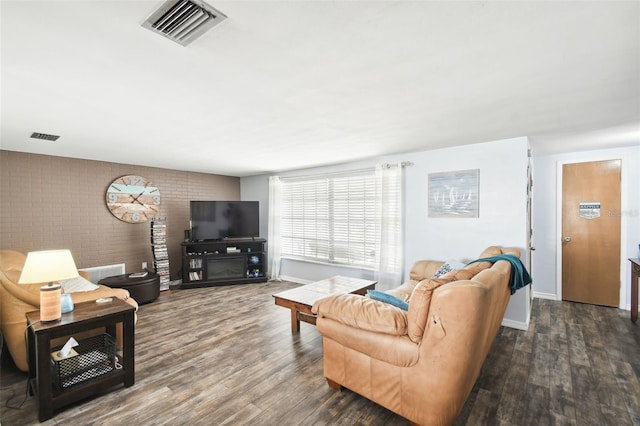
(183, 20)
(44, 136)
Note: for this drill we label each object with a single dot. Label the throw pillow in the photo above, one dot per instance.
(387, 298)
(448, 267)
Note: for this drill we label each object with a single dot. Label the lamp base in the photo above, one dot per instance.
(50, 308)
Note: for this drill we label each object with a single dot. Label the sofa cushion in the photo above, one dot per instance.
(388, 298)
(421, 300)
(363, 313)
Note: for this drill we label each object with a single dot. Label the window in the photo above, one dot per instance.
(331, 218)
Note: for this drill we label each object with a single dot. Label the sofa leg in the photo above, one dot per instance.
(334, 385)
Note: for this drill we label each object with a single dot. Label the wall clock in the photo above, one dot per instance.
(133, 199)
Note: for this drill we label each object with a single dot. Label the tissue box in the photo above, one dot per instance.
(71, 362)
(94, 357)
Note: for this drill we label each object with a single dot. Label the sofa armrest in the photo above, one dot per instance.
(363, 313)
(104, 291)
(395, 350)
(28, 293)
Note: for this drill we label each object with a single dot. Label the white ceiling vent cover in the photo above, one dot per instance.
(183, 20)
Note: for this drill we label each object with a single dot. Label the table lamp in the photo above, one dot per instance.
(48, 266)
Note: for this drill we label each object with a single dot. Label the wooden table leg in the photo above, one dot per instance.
(43, 373)
(635, 276)
(128, 349)
(295, 321)
(31, 351)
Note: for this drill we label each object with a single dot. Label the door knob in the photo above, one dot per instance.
(566, 239)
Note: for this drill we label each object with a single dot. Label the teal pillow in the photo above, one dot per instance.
(387, 298)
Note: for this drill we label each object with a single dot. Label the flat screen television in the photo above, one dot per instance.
(216, 220)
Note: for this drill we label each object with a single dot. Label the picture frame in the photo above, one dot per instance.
(454, 194)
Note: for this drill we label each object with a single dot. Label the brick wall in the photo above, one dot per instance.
(51, 202)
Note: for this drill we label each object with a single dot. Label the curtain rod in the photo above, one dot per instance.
(320, 175)
(347, 172)
(401, 163)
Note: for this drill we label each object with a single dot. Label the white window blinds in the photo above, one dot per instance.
(331, 218)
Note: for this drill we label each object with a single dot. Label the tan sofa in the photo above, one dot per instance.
(18, 299)
(421, 363)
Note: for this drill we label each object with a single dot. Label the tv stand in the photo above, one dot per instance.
(223, 262)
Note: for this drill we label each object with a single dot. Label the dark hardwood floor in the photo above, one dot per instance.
(226, 356)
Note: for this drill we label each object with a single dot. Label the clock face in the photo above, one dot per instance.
(133, 199)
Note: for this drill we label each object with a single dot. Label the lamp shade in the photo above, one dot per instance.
(48, 266)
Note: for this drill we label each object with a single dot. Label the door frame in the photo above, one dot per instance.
(623, 299)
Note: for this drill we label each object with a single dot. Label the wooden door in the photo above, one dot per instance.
(591, 232)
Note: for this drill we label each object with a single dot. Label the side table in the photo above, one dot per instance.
(143, 289)
(86, 316)
(635, 275)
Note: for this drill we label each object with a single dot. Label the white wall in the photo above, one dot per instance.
(502, 221)
(503, 209)
(546, 237)
(256, 188)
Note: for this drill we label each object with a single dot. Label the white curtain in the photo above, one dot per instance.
(389, 197)
(274, 251)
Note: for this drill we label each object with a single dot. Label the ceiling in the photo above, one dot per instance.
(294, 84)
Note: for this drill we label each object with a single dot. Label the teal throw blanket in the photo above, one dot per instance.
(519, 275)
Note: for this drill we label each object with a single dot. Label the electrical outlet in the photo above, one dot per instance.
(144, 266)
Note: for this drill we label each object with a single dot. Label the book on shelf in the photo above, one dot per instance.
(160, 251)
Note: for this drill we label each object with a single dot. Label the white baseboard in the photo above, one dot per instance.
(518, 325)
(548, 296)
(551, 296)
(295, 279)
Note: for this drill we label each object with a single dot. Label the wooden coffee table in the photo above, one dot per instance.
(301, 299)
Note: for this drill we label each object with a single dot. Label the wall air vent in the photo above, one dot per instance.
(183, 20)
(44, 136)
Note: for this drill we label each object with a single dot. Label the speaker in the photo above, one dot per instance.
(187, 235)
